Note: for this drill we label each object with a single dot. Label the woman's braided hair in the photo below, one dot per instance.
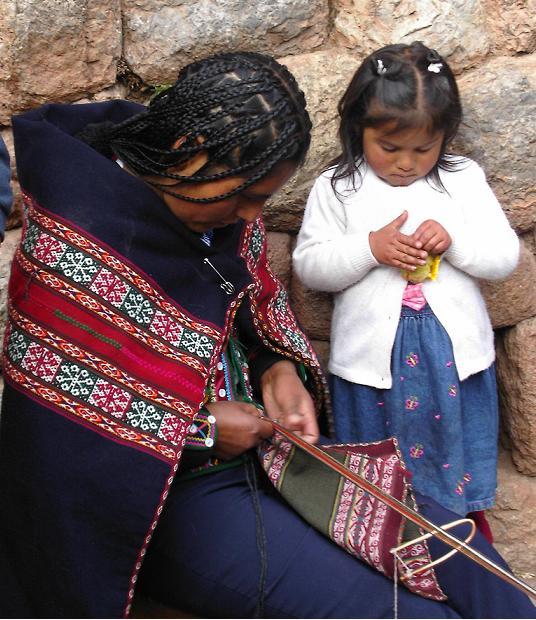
(244, 110)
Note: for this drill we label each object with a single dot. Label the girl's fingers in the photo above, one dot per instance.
(411, 254)
(438, 243)
(403, 263)
(410, 246)
(432, 243)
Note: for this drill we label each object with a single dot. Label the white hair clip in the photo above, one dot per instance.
(380, 67)
(435, 67)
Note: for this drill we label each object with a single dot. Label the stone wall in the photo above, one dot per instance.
(88, 50)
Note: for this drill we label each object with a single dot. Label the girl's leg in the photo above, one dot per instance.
(473, 591)
(226, 549)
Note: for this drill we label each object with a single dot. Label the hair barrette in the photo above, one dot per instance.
(435, 67)
(380, 67)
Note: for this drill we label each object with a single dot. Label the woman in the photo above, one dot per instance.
(143, 319)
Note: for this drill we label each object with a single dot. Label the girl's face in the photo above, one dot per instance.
(401, 157)
(246, 205)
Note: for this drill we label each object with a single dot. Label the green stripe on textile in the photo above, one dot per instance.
(311, 488)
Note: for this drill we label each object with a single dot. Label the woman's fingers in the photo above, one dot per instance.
(240, 427)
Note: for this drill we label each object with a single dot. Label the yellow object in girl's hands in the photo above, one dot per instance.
(423, 272)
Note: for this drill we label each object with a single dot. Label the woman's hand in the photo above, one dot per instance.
(390, 247)
(432, 237)
(239, 427)
(286, 400)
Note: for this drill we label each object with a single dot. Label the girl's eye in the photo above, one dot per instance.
(425, 150)
(388, 149)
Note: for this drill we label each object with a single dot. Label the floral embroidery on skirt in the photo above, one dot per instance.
(447, 429)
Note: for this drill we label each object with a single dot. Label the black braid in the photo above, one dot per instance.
(282, 150)
(244, 110)
(229, 140)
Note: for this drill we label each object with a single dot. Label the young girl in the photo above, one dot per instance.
(400, 230)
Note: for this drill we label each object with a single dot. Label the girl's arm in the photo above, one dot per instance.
(483, 244)
(326, 258)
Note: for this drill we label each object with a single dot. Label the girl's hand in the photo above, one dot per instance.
(239, 427)
(432, 237)
(390, 247)
(286, 400)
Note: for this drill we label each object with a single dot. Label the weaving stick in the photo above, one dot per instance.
(401, 508)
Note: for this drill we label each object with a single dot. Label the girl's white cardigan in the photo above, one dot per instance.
(333, 254)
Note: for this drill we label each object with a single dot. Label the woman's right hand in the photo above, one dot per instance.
(390, 247)
(239, 427)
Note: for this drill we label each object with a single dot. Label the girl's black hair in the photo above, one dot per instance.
(410, 85)
(244, 110)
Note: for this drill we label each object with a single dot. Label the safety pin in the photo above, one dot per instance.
(227, 286)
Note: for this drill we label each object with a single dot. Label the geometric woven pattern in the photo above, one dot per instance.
(354, 519)
(59, 372)
(89, 295)
(69, 255)
(282, 326)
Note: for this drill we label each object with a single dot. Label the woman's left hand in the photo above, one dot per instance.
(286, 400)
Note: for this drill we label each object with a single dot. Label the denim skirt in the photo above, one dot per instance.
(447, 429)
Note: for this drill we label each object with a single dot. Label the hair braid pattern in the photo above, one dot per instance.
(243, 110)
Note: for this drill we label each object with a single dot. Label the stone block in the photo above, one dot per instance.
(323, 76)
(513, 299)
(516, 360)
(529, 239)
(321, 348)
(512, 25)
(499, 132)
(313, 309)
(279, 257)
(513, 519)
(55, 50)
(458, 30)
(161, 37)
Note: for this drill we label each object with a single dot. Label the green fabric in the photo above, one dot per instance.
(313, 488)
(354, 519)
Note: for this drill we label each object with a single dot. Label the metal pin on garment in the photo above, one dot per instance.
(227, 286)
